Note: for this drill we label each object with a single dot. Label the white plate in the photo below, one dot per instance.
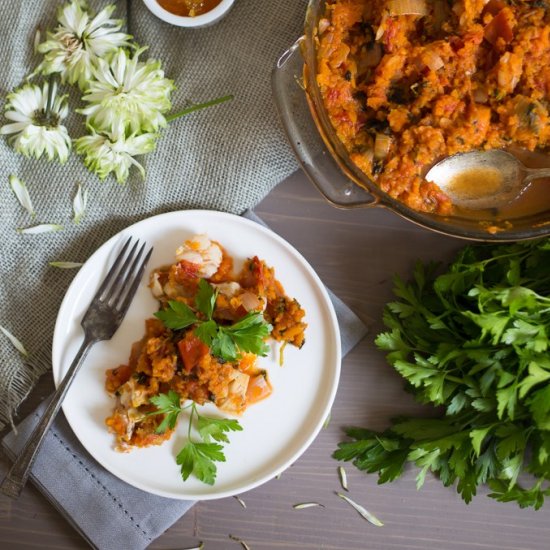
(276, 431)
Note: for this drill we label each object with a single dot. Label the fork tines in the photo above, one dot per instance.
(122, 280)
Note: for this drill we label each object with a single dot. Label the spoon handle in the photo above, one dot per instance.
(536, 173)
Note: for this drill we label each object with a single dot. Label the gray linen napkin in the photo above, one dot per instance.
(114, 514)
(225, 158)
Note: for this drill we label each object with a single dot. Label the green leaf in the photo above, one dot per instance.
(537, 375)
(177, 316)
(216, 428)
(512, 439)
(539, 404)
(506, 399)
(198, 459)
(467, 486)
(186, 459)
(206, 298)
(223, 346)
(250, 332)
(212, 451)
(247, 335)
(168, 404)
(424, 428)
(532, 336)
(524, 497)
(207, 331)
(477, 436)
(511, 467)
(492, 324)
(458, 403)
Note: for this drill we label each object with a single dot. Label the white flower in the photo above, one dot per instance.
(79, 40)
(35, 132)
(129, 92)
(104, 154)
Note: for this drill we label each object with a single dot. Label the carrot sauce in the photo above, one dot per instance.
(188, 8)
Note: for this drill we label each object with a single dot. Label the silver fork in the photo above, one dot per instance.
(100, 322)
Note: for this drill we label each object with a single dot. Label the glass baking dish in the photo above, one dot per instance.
(327, 164)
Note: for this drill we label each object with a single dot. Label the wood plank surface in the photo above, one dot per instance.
(356, 254)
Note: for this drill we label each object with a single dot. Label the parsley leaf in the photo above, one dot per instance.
(249, 333)
(198, 459)
(474, 338)
(207, 331)
(224, 347)
(169, 405)
(177, 316)
(206, 299)
(216, 428)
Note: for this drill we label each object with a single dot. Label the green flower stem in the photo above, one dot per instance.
(198, 107)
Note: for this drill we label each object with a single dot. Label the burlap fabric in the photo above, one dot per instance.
(225, 158)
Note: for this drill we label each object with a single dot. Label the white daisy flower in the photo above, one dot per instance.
(104, 154)
(129, 92)
(36, 130)
(79, 41)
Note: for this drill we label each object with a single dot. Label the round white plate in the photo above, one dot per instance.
(276, 431)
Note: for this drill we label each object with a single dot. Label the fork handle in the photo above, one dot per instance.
(15, 480)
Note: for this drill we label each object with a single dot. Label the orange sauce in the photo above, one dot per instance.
(188, 8)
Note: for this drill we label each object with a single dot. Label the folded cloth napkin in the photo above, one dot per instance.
(226, 157)
(114, 514)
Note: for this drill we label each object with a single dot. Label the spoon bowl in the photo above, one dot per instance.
(483, 179)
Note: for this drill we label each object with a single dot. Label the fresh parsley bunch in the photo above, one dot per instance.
(473, 340)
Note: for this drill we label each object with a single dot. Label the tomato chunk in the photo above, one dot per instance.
(501, 26)
(191, 350)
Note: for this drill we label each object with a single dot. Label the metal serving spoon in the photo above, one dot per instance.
(483, 179)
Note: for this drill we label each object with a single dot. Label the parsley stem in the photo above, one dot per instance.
(193, 411)
(198, 107)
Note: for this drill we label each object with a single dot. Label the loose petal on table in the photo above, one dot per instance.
(16, 343)
(303, 505)
(66, 265)
(362, 511)
(343, 478)
(42, 228)
(240, 501)
(20, 190)
(79, 204)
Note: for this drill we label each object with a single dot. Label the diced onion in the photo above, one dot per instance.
(407, 7)
(382, 145)
(324, 24)
(433, 60)
(250, 301)
(381, 28)
(480, 95)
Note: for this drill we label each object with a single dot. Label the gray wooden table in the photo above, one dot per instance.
(355, 253)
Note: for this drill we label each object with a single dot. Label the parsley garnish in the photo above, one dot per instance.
(196, 457)
(475, 340)
(248, 334)
(168, 404)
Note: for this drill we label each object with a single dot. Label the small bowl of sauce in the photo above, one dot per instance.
(189, 13)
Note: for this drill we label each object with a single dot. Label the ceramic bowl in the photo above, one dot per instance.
(204, 20)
